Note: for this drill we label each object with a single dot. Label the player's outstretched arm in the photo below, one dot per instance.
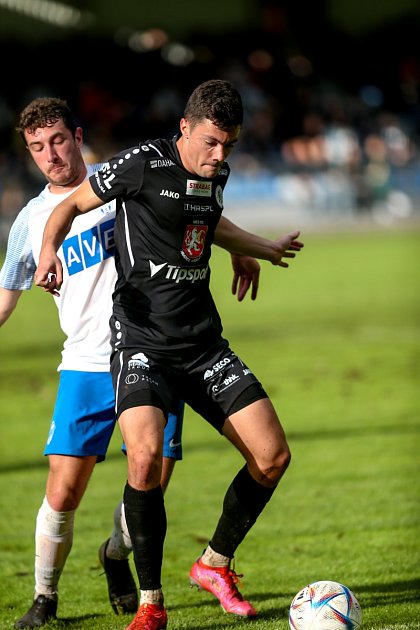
(238, 241)
(49, 273)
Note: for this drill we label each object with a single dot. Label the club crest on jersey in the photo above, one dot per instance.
(219, 196)
(201, 189)
(194, 239)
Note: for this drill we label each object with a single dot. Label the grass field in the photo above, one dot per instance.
(336, 341)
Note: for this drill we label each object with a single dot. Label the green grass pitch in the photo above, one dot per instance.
(335, 339)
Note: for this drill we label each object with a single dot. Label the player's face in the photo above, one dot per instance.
(205, 147)
(56, 152)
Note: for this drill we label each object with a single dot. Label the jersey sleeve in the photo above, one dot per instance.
(19, 266)
(122, 176)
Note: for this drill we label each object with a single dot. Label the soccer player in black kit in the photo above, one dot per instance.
(167, 335)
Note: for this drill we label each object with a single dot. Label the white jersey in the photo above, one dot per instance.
(87, 254)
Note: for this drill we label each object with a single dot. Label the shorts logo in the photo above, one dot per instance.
(138, 360)
(51, 432)
(227, 382)
(194, 239)
(201, 189)
(131, 379)
(220, 365)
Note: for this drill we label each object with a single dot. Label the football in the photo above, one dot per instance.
(325, 605)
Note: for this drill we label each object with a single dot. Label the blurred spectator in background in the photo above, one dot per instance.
(312, 143)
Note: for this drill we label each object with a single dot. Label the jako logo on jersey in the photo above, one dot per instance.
(201, 189)
(138, 360)
(89, 248)
(216, 368)
(178, 274)
(169, 193)
(159, 163)
(194, 239)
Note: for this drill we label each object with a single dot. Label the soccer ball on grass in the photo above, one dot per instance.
(325, 605)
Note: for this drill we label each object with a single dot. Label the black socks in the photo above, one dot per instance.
(244, 501)
(146, 521)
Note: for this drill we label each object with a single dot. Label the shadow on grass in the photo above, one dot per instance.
(219, 444)
(383, 593)
(371, 595)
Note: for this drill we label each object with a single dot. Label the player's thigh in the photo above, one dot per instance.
(257, 433)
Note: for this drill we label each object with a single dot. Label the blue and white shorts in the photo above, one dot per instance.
(84, 418)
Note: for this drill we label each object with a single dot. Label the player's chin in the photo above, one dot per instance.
(58, 176)
(209, 171)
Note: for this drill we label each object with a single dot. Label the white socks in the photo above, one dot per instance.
(213, 559)
(151, 597)
(119, 546)
(53, 541)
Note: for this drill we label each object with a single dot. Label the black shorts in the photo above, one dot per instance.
(215, 383)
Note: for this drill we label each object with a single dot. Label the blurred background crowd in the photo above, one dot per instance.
(331, 92)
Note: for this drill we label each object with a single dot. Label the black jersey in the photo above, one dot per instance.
(165, 224)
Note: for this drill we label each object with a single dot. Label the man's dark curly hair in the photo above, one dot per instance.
(44, 112)
(217, 101)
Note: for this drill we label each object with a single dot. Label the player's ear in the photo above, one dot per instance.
(184, 126)
(78, 136)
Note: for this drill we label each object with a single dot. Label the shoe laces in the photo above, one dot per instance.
(233, 579)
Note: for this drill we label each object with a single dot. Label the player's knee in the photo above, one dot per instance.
(279, 465)
(284, 459)
(64, 499)
(144, 471)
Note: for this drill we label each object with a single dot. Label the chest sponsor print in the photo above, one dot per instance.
(198, 188)
(89, 248)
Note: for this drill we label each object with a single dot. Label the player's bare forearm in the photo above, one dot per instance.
(49, 273)
(8, 301)
(238, 241)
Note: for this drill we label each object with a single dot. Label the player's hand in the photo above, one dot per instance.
(246, 273)
(49, 273)
(285, 247)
